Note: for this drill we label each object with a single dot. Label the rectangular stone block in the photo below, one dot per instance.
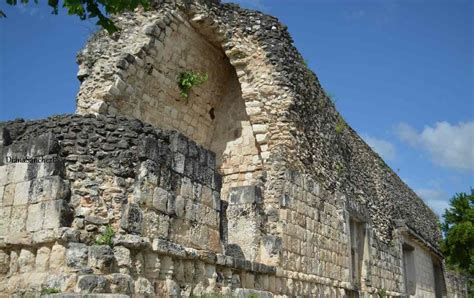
(18, 219)
(43, 145)
(178, 162)
(132, 219)
(18, 173)
(49, 188)
(35, 217)
(148, 149)
(160, 199)
(4, 175)
(22, 190)
(179, 143)
(245, 195)
(216, 200)
(186, 188)
(54, 168)
(4, 220)
(55, 214)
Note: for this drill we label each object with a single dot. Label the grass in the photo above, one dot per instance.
(106, 238)
(340, 125)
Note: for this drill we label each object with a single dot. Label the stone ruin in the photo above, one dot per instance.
(253, 186)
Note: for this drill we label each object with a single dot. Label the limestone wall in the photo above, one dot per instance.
(157, 190)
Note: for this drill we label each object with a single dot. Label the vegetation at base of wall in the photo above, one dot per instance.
(458, 242)
(339, 168)
(340, 125)
(106, 238)
(88, 9)
(382, 293)
(47, 291)
(189, 79)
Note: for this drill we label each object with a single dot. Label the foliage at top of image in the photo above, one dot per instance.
(458, 229)
(88, 9)
(106, 238)
(188, 79)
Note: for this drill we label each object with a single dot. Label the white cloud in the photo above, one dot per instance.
(436, 198)
(449, 145)
(382, 147)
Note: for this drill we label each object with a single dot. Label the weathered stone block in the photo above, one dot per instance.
(180, 203)
(18, 173)
(160, 199)
(18, 220)
(131, 241)
(56, 214)
(35, 218)
(91, 284)
(121, 283)
(4, 262)
(152, 264)
(42, 258)
(57, 258)
(26, 260)
(178, 162)
(179, 143)
(148, 149)
(186, 188)
(76, 255)
(4, 174)
(245, 195)
(132, 218)
(43, 145)
(122, 256)
(101, 257)
(54, 168)
(9, 194)
(21, 193)
(216, 181)
(49, 188)
(44, 236)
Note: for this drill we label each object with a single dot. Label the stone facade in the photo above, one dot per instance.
(254, 185)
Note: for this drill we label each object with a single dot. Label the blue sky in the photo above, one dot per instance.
(402, 73)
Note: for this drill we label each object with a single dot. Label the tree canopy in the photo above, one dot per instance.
(87, 9)
(458, 229)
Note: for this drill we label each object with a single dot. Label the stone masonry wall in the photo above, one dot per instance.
(157, 190)
(316, 173)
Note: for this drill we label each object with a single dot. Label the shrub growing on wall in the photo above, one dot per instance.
(188, 79)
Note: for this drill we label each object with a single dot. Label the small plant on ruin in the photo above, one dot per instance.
(106, 238)
(47, 291)
(339, 168)
(188, 79)
(340, 125)
(382, 293)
